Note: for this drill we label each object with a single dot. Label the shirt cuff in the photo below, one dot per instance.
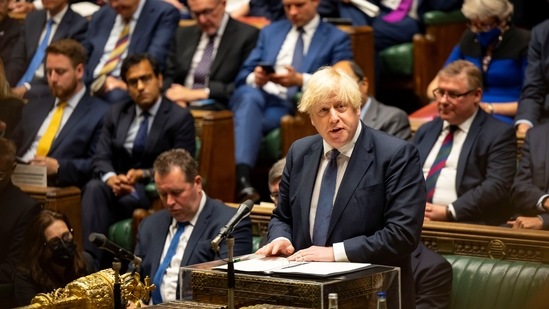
(106, 176)
(27, 86)
(250, 80)
(306, 78)
(452, 212)
(539, 205)
(528, 122)
(38, 5)
(339, 252)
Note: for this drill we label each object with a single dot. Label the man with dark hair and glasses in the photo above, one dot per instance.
(468, 157)
(17, 210)
(133, 135)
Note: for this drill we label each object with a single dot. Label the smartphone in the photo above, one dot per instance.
(268, 68)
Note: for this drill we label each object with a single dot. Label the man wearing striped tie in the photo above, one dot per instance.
(123, 28)
(468, 157)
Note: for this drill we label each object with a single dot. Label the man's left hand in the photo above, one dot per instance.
(288, 79)
(134, 175)
(435, 212)
(313, 254)
(114, 83)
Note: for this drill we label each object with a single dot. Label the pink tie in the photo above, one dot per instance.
(399, 13)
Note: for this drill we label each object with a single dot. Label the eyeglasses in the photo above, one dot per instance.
(483, 25)
(55, 242)
(145, 79)
(439, 93)
(205, 12)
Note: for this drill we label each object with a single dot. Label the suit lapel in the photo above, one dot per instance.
(64, 26)
(224, 47)
(319, 39)
(159, 241)
(371, 115)
(474, 130)
(35, 33)
(359, 163)
(430, 139)
(141, 27)
(198, 230)
(188, 53)
(273, 47)
(126, 119)
(81, 110)
(310, 169)
(43, 108)
(158, 125)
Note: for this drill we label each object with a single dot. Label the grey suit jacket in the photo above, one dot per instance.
(388, 119)
(237, 42)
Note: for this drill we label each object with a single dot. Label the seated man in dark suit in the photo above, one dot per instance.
(432, 277)
(293, 48)
(529, 192)
(123, 28)
(17, 210)
(181, 234)
(351, 193)
(375, 114)
(468, 157)
(533, 107)
(10, 29)
(25, 68)
(206, 57)
(133, 135)
(47, 134)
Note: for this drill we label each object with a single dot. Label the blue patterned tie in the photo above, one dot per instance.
(38, 56)
(203, 67)
(325, 201)
(141, 137)
(157, 280)
(439, 163)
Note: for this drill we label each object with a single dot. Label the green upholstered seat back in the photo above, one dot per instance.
(121, 234)
(270, 149)
(495, 284)
(398, 60)
(440, 17)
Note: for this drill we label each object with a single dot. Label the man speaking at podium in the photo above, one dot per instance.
(181, 234)
(351, 193)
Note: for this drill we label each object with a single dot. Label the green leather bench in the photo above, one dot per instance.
(485, 283)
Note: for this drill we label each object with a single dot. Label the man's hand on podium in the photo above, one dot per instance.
(313, 254)
(277, 247)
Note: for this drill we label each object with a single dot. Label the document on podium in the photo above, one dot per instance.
(281, 265)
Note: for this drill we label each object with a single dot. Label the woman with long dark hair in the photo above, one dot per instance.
(50, 257)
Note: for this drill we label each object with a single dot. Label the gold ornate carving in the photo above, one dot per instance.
(95, 292)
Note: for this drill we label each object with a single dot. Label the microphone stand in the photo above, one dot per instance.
(117, 293)
(230, 271)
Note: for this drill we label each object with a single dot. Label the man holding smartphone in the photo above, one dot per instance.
(295, 47)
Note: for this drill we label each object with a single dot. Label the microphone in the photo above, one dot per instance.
(102, 242)
(243, 210)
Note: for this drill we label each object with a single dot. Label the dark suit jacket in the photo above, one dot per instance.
(388, 119)
(152, 34)
(173, 127)
(534, 100)
(328, 46)
(72, 26)
(151, 237)
(236, 43)
(378, 211)
(433, 278)
(10, 113)
(75, 144)
(17, 211)
(10, 29)
(532, 178)
(485, 169)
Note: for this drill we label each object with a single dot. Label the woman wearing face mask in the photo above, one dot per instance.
(499, 49)
(50, 257)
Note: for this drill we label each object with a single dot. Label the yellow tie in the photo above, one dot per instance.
(119, 49)
(47, 139)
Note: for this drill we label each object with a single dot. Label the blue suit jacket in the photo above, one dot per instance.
(378, 211)
(75, 144)
(173, 127)
(153, 33)
(532, 178)
(72, 26)
(485, 169)
(152, 233)
(328, 46)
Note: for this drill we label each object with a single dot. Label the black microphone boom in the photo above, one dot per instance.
(243, 210)
(102, 242)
